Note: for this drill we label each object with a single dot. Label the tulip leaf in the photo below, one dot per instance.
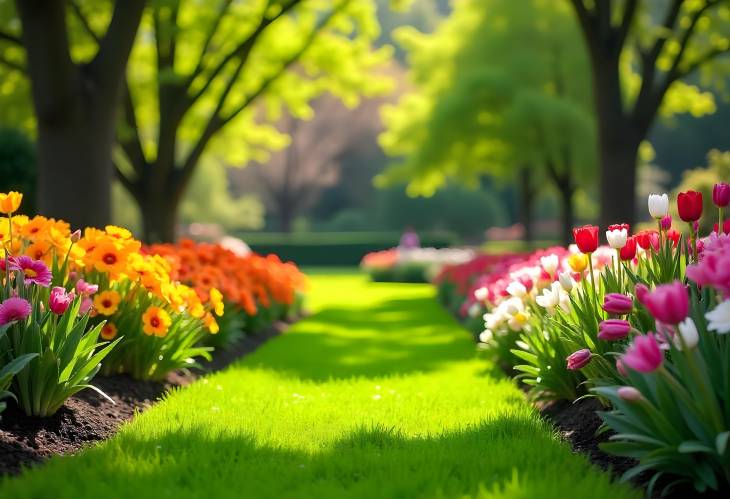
(721, 442)
(692, 446)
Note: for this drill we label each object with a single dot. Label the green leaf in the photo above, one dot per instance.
(721, 442)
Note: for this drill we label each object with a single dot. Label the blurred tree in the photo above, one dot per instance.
(74, 99)
(503, 91)
(640, 52)
(18, 167)
(215, 76)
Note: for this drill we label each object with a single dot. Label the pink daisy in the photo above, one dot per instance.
(14, 309)
(34, 271)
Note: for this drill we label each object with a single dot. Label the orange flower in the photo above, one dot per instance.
(40, 250)
(210, 322)
(107, 302)
(109, 331)
(118, 232)
(10, 202)
(35, 227)
(156, 322)
(109, 258)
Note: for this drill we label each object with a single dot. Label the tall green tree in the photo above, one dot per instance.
(642, 52)
(74, 100)
(214, 77)
(502, 89)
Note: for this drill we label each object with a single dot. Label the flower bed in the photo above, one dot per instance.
(75, 304)
(411, 264)
(638, 325)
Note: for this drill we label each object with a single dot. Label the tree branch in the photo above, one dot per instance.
(628, 19)
(206, 44)
(133, 146)
(701, 60)
(15, 66)
(8, 37)
(687, 36)
(128, 184)
(242, 51)
(76, 8)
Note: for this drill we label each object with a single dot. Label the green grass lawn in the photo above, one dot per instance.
(378, 394)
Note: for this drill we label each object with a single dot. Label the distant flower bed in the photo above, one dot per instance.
(641, 324)
(411, 264)
(73, 304)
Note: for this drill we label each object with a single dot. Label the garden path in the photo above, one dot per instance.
(379, 393)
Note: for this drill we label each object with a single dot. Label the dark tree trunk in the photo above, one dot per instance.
(159, 217)
(526, 202)
(75, 169)
(566, 212)
(75, 107)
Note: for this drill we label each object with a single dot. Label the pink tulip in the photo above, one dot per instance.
(644, 354)
(721, 194)
(613, 329)
(86, 304)
(86, 289)
(629, 394)
(666, 222)
(621, 368)
(59, 300)
(579, 359)
(641, 293)
(617, 304)
(668, 303)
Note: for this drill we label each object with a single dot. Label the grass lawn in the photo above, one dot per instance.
(378, 394)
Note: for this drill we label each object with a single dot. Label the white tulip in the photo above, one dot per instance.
(688, 332)
(516, 289)
(658, 205)
(486, 336)
(617, 238)
(549, 263)
(552, 297)
(566, 281)
(719, 318)
(481, 294)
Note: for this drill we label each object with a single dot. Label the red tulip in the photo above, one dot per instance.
(628, 252)
(689, 204)
(673, 236)
(725, 227)
(647, 239)
(586, 238)
(618, 227)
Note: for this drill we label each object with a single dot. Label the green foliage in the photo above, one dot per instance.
(18, 166)
(499, 85)
(9, 369)
(208, 200)
(348, 403)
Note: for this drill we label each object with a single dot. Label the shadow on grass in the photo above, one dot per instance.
(397, 336)
(513, 456)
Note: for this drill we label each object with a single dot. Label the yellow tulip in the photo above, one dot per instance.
(10, 202)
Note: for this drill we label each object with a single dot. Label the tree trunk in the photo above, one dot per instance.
(286, 215)
(75, 169)
(526, 196)
(159, 218)
(566, 211)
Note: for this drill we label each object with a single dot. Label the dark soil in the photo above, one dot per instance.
(88, 417)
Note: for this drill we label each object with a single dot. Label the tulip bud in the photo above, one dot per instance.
(613, 329)
(621, 368)
(586, 238)
(617, 238)
(566, 281)
(629, 394)
(641, 291)
(516, 289)
(617, 304)
(658, 205)
(721, 194)
(75, 236)
(688, 333)
(666, 222)
(689, 204)
(579, 359)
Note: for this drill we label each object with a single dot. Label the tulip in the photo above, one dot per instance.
(689, 204)
(673, 236)
(644, 239)
(85, 306)
(10, 202)
(718, 319)
(616, 238)
(658, 205)
(725, 227)
(644, 354)
(721, 194)
(618, 304)
(666, 222)
(76, 236)
(566, 281)
(578, 263)
(668, 303)
(549, 263)
(625, 227)
(85, 288)
(688, 334)
(586, 238)
(641, 292)
(516, 289)
(59, 300)
(613, 329)
(629, 394)
(579, 359)
(621, 368)
(628, 252)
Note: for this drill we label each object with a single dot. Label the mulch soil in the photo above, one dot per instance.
(87, 417)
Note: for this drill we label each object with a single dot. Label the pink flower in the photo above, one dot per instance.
(621, 368)
(644, 354)
(579, 359)
(641, 292)
(713, 269)
(613, 329)
(666, 222)
(59, 300)
(86, 289)
(14, 309)
(721, 194)
(34, 271)
(618, 304)
(86, 304)
(629, 394)
(668, 303)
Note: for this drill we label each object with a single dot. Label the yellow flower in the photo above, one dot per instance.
(107, 257)
(10, 202)
(211, 323)
(156, 321)
(578, 262)
(118, 232)
(109, 331)
(216, 300)
(107, 302)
